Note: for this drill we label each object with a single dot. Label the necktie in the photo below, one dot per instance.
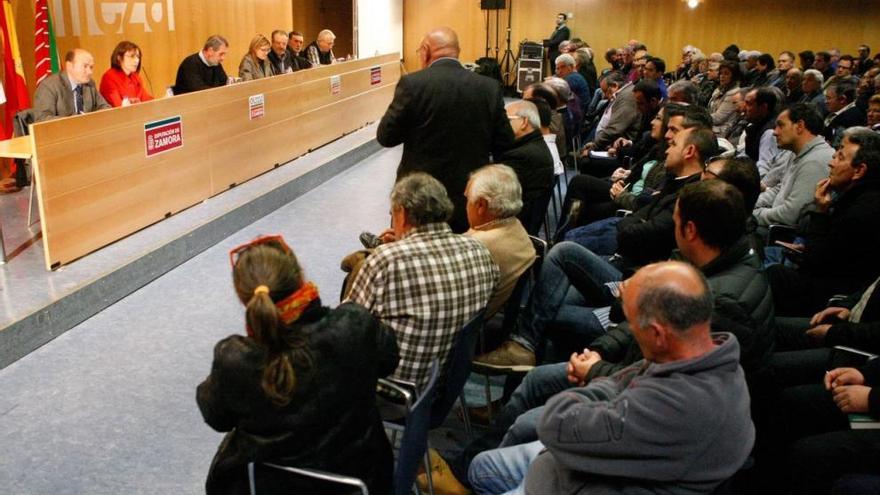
(78, 99)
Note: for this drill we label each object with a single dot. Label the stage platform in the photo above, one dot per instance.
(39, 305)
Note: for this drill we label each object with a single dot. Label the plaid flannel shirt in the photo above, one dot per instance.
(425, 286)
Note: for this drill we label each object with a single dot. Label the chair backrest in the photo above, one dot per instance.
(532, 213)
(458, 368)
(23, 118)
(345, 484)
(512, 307)
(415, 437)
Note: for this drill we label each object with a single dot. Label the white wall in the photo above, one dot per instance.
(379, 25)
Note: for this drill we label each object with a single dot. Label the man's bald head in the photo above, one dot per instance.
(668, 306)
(439, 43)
(78, 65)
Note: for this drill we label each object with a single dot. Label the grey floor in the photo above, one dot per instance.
(109, 406)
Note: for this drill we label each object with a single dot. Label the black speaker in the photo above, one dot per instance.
(492, 4)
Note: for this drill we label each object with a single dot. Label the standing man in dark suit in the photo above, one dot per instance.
(449, 120)
(70, 92)
(560, 34)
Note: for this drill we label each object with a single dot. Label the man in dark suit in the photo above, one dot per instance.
(70, 92)
(280, 56)
(843, 112)
(560, 34)
(449, 120)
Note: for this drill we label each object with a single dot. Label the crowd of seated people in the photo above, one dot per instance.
(73, 91)
(676, 347)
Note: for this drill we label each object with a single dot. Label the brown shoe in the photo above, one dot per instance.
(445, 483)
(480, 415)
(510, 356)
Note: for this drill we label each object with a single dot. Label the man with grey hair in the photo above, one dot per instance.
(493, 201)
(323, 47)
(683, 91)
(620, 117)
(424, 281)
(203, 70)
(812, 87)
(566, 68)
(449, 120)
(532, 161)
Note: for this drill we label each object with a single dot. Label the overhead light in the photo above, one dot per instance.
(693, 3)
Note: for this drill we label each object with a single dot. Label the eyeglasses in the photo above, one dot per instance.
(710, 161)
(275, 241)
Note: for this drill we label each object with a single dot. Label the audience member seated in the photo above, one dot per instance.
(557, 106)
(793, 90)
(784, 63)
(764, 68)
(874, 113)
(424, 282)
(583, 58)
(684, 92)
(806, 58)
(646, 236)
(628, 189)
(823, 64)
(282, 392)
(709, 83)
(532, 161)
(686, 370)
(842, 234)
(798, 130)
(624, 150)
(323, 45)
(279, 56)
(721, 104)
(843, 72)
(812, 88)
(493, 194)
(565, 68)
(760, 143)
(203, 70)
(121, 84)
(570, 110)
(545, 113)
(654, 69)
(620, 117)
(842, 111)
(69, 92)
(255, 64)
(824, 446)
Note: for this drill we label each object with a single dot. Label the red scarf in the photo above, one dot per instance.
(292, 306)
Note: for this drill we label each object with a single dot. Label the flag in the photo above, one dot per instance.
(45, 51)
(16, 90)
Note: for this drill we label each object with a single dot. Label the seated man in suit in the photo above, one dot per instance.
(71, 91)
(532, 161)
(843, 112)
(203, 70)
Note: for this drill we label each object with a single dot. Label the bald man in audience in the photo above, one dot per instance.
(449, 120)
(644, 429)
(71, 91)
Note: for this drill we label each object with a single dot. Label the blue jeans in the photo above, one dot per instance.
(567, 265)
(521, 413)
(503, 470)
(599, 237)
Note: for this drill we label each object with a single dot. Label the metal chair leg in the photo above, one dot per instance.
(31, 195)
(466, 417)
(428, 473)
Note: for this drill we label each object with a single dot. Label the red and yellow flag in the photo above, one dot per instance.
(14, 84)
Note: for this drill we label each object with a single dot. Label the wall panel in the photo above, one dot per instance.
(664, 25)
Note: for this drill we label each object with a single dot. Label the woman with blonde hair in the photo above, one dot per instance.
(299, 388)
(255, 63)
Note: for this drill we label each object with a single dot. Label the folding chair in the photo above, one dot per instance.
(356, 484)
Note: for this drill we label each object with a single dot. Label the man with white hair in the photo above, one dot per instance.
(494, 198)
(566, 69)
(532, 161)
(324, 45)
(812, 86)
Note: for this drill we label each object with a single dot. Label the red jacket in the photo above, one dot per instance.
(115, 86)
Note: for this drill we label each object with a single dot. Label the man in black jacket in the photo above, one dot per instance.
(450, 121)
(644, 237)
(204, 69)
(560, 33)
(530, 158)
(842, 235)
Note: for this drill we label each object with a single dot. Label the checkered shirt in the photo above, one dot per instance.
(425, 286)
